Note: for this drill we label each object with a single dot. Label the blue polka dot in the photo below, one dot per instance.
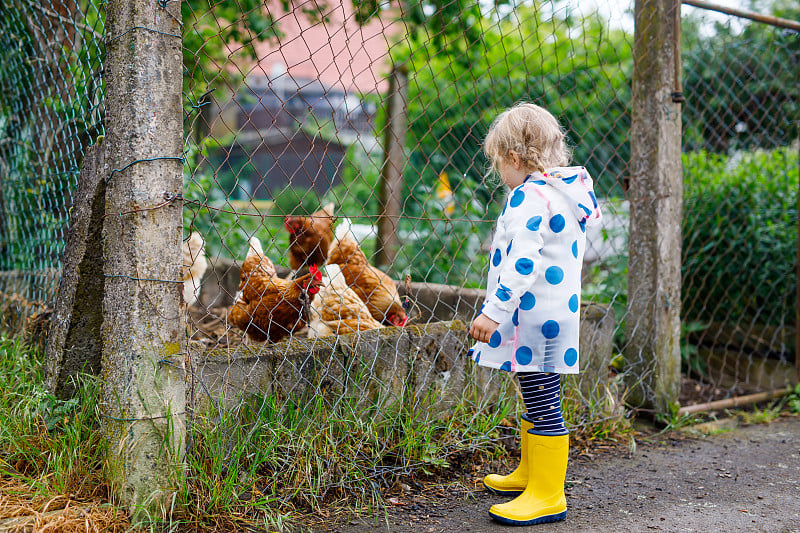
(524, 355)
(496, 258)
(533, 223)
(539, 182)
(470, 352)
(506, 366)
(571, 357)
(575, 249)
(503, 293)
(570, 179)
(527, 301)
(478, 357)
(524, 266)
(557, 223)
(495, 339)
(554, 275)
(515, 318)
(504, 209)
(508, 250)
(574, 302)
(550, 329)
(582, 224)
(516, 198)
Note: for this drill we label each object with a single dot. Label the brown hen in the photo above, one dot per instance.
(269, 308)
(310, 237)
(337, 309)
(374, 287)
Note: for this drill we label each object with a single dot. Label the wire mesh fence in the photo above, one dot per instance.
(308, 124)
(52, 107)
(740, 224)
(374, 117)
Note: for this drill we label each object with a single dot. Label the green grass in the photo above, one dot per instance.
(53, 446)
(259, 461)
(792, 400)
(273, 459)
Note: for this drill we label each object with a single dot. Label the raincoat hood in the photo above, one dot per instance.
(577, 186)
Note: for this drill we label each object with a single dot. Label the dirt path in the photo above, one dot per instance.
(743, 480)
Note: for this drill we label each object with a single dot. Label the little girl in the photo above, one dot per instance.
(530, 320)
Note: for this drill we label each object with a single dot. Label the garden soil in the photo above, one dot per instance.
(721, 477)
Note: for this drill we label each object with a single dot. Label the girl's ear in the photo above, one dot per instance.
(516, 160)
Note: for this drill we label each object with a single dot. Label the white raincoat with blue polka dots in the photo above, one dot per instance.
(534, 283)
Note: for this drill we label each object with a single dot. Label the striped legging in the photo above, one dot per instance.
(541, 392)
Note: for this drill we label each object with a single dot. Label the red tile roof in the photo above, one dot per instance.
(339, 53)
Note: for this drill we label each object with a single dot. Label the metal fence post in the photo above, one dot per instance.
(656, 193)
(144, 339)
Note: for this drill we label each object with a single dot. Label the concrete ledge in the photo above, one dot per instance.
(420, 367)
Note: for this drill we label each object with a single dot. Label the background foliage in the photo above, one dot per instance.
(740, 236)
(50, 109)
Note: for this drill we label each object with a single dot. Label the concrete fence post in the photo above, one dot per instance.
(144, 339)
(656, 196)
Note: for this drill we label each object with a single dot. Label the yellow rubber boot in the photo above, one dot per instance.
(543, 499)
(515, 482)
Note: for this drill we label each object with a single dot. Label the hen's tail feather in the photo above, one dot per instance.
(255, 247)
(344, 229)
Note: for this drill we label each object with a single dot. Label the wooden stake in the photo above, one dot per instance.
(736, 401)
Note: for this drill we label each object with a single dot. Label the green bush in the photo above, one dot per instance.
(442, 238)
(740, 236)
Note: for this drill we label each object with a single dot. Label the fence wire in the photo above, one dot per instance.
(307, 118)
(51, 107)
(740, 205)
(336, 116)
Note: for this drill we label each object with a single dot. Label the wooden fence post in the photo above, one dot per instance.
(144, 339)
(391, 188)
(656, 194)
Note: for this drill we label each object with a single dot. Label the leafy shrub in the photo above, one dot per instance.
(295, 201)
(356, 196)
(740, 236)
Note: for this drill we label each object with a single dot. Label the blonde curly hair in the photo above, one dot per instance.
(532, 132)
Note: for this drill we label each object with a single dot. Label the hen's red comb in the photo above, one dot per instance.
(315, 272)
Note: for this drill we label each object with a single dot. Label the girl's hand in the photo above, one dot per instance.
(482, 328)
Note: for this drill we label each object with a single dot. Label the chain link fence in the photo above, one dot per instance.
(739, 261)
(378, 113)
(304, 118)
(51, 108)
